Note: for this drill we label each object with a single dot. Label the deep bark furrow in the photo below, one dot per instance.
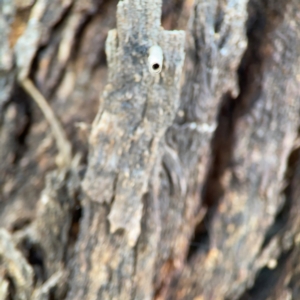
(189, 138)
(281, 244)
(242, 193)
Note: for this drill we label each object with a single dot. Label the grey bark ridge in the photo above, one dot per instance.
(124, 142)
(7, 12)
(137, 110)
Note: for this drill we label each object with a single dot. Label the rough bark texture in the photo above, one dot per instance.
(184, 185)
(124, 146)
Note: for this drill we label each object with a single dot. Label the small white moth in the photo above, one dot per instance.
(155, 59)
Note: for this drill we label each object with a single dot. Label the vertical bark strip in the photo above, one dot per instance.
(261, 123)
(216, 40)
(124, 143)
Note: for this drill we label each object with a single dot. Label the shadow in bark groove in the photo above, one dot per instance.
(262, 20)
(267, 279)
(283, 216)
(100, 9)
(11, 288)
(222, 144)
(171, 11)
(23, 121)
(35, 257)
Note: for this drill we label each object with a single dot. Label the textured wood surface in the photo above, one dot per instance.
(124, 147)
(182, 186)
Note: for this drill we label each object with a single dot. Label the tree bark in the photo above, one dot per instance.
(180, 185)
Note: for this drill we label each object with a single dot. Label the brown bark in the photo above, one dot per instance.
(184, 185)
